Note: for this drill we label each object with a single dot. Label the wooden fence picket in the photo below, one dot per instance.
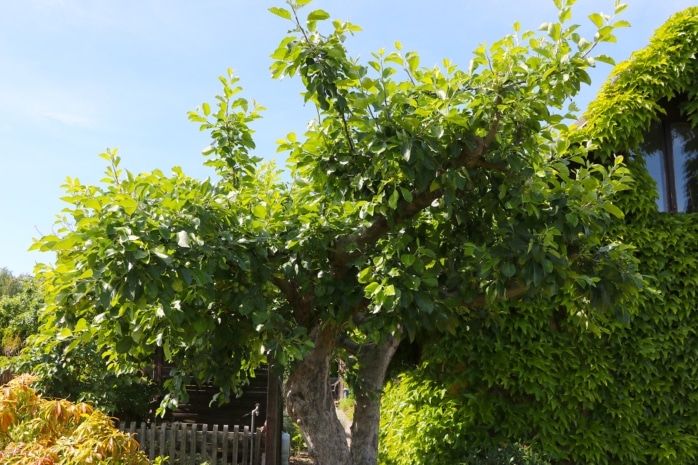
(214, 442)
(236, 437)
(225, 445)
(173, 440)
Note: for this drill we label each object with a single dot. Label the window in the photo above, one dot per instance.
(670, 149)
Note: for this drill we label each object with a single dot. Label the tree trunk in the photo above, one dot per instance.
(373, 362)
(309, 402)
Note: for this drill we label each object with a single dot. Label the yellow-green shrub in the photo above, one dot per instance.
(38, 431)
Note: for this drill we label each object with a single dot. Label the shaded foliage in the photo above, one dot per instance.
(19, 314)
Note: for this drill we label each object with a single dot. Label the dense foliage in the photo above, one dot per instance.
(38, 431)
(79, 374)
(20, 307)
(416, 203)
(625, 394)
(9, 283)
(82, 375)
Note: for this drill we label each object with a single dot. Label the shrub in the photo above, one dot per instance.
(423, 424)
(510, 454)
(19, 314)
(82, 375)
(38, 431)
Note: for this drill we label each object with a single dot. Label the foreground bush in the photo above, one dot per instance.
(422, 425)
(81, 375)
(511, 454)
(38, 431)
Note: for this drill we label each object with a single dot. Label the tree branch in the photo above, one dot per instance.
(301, 304)
(381, 225)
(469, 158)
(345, 342)
(511, 293)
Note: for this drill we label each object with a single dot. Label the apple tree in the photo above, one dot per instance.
(417, 197)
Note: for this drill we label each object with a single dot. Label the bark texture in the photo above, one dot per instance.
(309, 402)
(373, 363)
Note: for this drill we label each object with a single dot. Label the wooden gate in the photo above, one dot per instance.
(193, 444)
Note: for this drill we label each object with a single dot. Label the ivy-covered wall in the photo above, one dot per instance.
(626, 393)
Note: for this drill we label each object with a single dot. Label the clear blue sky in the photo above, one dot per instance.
(78, 76)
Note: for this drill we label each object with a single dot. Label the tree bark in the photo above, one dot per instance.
(373, 362)
(309, 403)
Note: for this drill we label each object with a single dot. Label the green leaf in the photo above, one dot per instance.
(554, 31)
(160, 252)
(613, 210)
(605, 59)
(259, 211)
(406, 149)
(392, 201)
(407, 259)
(413, 61)
(318, 15)
(129, 205)
(572, 219)
(365, 275)
(620, 7)
(508, 269)
(124, 345)
(597, 19)
(81, 325)
(372, 288)
(281, 12)
(65, 244)
(424, 302)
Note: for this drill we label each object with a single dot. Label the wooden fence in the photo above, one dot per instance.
(6, 377)
(193, 444)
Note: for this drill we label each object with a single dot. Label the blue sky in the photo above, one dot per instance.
(79, 76)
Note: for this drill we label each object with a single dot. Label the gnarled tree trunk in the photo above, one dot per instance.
(373, 363)
(309, 402)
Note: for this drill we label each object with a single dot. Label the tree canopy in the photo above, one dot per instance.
(9, 283)
(418, 197)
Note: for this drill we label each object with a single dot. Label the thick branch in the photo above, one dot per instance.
(513, 292)
(380, 226)
(469, 158)
(465, 301)
(473, 157)
(301, 304)
(345, 342)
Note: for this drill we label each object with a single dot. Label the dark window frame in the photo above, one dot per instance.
(670, 193)
(667, 123)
